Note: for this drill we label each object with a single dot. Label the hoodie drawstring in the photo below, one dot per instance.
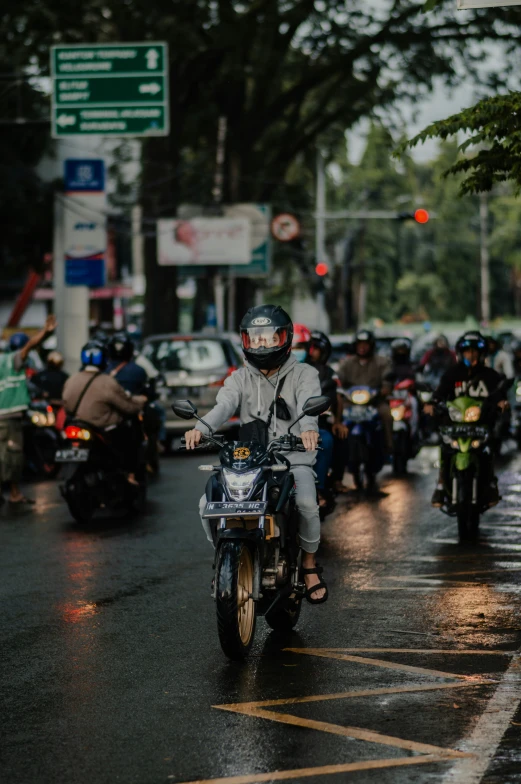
(258, 396)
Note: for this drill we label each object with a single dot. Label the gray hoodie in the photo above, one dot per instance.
(252, 393)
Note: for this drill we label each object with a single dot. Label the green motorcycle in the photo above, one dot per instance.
(467, 440)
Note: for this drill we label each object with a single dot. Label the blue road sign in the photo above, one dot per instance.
(85, 175)
(85, 272)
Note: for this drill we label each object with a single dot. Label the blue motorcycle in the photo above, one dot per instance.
(365, 444)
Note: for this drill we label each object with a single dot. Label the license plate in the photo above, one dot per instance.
(71, 455)
(359, 413)
(232, 509)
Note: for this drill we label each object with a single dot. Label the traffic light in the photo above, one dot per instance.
(321, 269)
(421, 216)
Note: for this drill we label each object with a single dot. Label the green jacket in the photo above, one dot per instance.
(14, 395)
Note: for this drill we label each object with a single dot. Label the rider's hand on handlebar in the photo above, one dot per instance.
(503, 405)
(428, 409)
(340, 430)
(193, 437)
(310, 440)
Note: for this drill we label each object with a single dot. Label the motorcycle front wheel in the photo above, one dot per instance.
(468, 521)
(236, 610)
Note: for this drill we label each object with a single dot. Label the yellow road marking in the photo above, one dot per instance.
(429, 753)
(357, 733)
(330, 654)
(345, 695)
(324, 770)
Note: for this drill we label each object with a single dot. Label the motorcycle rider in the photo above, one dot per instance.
(50, 382)
(14, 401)
(403, 370)
(319, 351)
(402, 366)
(516, 353)
(498, 358)
(470, 376)
(121, 366)
(438, 359)
(272, 388)
(99, 400)
(368, 369)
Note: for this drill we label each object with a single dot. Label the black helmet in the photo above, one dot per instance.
(365, 336)
(266, 335)
(94, 354)
(100, 336)
(121, 347)
(401, 349)
(472, 339)
(321, 341)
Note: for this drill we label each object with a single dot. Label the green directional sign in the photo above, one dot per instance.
(111, 90)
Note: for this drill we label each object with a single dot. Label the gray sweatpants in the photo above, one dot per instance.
(306, 498)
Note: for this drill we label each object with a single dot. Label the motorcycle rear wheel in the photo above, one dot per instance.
(236, 610)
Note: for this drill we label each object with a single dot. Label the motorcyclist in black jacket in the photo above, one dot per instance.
(471, 377)
(319, 351)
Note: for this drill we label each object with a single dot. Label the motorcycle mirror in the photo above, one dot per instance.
(313, 407)
(316, 405)
(184, 409)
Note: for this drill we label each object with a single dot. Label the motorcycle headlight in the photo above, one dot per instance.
(476, 443)
(518, 392)
(455, 414)
(472, 414)
(240, 486)
(398, 413)
(360, 397)
(38, 418)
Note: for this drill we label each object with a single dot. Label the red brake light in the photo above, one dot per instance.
(74, 432)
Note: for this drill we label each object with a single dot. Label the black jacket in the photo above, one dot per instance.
(478, 382)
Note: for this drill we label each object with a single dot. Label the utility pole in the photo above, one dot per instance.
(484, 258)
(71, 303)
(320, 232)
(218, 283)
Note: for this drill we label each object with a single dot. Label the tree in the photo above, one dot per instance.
(285, 74)
(495, 127)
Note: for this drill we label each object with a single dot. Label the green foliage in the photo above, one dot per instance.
(429, 271)
(495, 127)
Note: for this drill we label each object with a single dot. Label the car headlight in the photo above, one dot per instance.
(472, 414)
(240, 486)
(360, 397)
(398, 413)
(455, 414)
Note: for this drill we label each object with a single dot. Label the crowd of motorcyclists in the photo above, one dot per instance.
(382, 408)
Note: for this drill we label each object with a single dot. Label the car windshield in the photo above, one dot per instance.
(189, 355)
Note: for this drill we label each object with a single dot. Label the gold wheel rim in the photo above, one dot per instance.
(245, 604)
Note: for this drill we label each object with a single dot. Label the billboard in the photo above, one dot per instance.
(85, 232)
(465, 4)
(202, 241)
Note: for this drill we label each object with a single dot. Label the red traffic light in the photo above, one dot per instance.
(421, 216)
(321, 269)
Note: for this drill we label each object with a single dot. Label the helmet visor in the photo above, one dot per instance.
(256, 338)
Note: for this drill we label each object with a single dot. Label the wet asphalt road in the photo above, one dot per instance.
(112, 670)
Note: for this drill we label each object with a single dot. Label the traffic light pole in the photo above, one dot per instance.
(320, 234)
(484, 258)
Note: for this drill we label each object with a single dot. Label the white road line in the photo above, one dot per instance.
(489, 729)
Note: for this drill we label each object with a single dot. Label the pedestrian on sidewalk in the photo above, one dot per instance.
(14, 401)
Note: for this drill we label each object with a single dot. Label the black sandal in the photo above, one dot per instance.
(321, 584)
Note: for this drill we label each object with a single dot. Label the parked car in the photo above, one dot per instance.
(194, 367)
